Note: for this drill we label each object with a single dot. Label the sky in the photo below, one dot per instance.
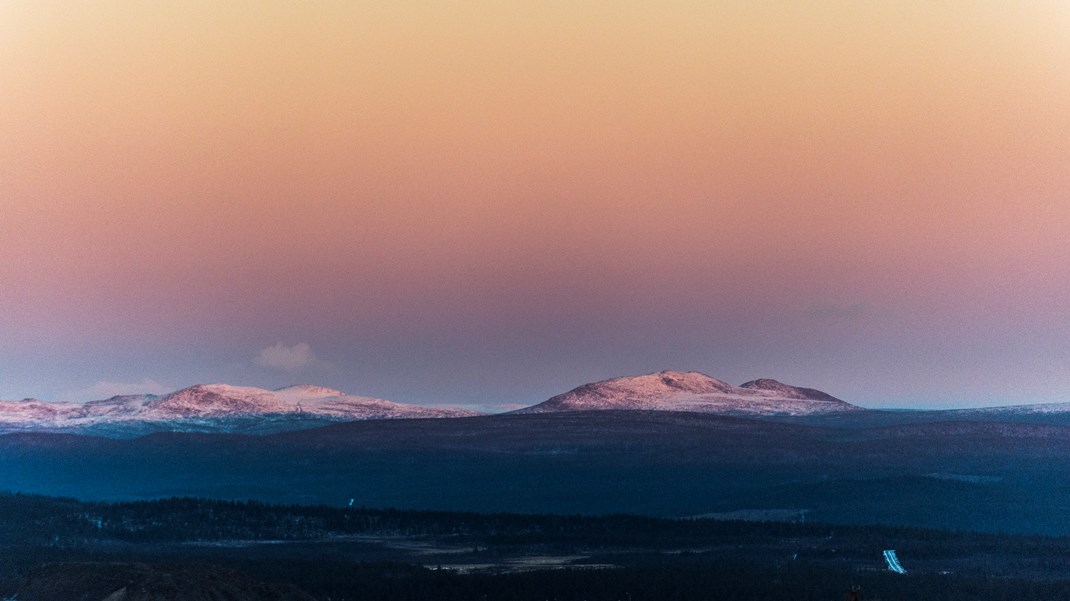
(487, 203)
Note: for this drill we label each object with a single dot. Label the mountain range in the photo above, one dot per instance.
(225, 408)
(209, 408)
(673, 444)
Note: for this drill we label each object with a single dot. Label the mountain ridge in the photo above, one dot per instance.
(694, 391)
(227, 408)
(209, 408)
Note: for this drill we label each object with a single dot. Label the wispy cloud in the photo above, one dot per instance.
(288, 358)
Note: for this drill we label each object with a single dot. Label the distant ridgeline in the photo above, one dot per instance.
(222, 408)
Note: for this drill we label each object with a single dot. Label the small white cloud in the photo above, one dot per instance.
(287, 358)
(104, 389)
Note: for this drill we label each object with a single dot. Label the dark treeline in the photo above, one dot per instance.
(29, 520)
(657, 559)
(35, 519)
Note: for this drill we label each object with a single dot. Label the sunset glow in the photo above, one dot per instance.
(490, 202)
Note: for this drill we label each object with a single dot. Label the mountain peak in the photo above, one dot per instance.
(660, 382)
(695, 392)
(691, 381)
(202, 400)
(310, 391)
(211, 408)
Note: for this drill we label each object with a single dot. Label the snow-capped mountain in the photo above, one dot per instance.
(222, 400)
(694, 392)
(209, 408)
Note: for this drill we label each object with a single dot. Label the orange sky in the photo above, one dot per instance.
(492, 200)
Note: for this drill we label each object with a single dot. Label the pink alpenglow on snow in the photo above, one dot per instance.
(695, 392)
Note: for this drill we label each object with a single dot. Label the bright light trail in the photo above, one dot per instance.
(893, 562)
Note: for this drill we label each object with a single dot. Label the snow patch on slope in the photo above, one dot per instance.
(1010, 410)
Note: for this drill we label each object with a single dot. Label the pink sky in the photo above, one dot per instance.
(491, 202)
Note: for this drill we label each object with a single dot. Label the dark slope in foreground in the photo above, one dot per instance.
(981, 476)
(144, 582)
